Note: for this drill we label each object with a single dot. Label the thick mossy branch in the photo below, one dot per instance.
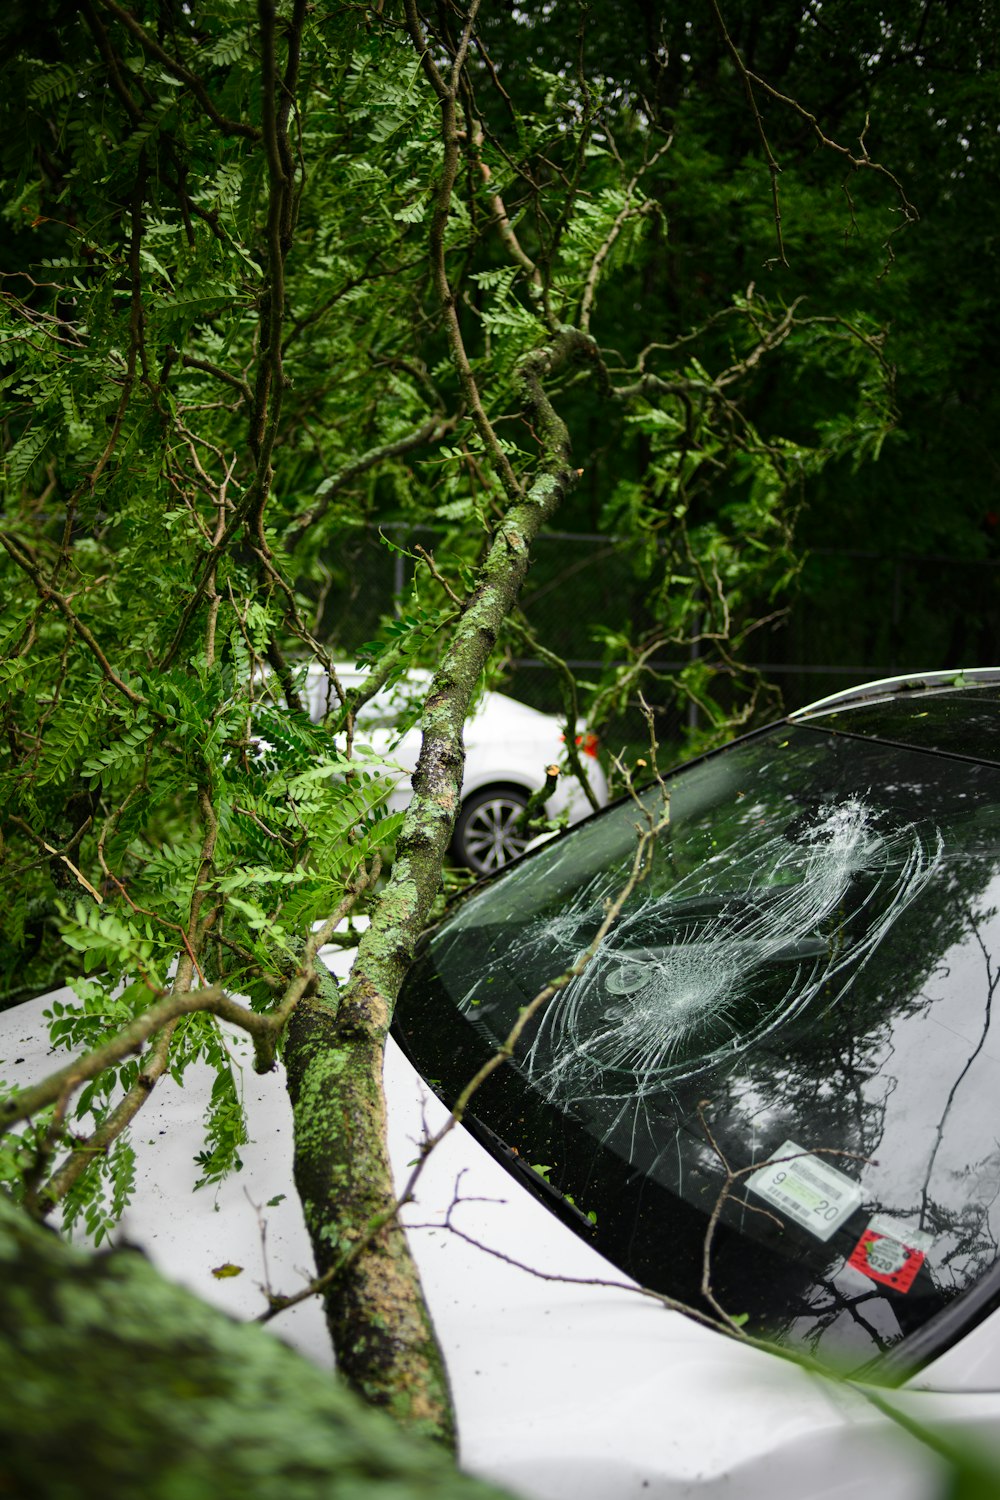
(379, 1323)
(386, 947)
(334, 1060)
(118, 1384)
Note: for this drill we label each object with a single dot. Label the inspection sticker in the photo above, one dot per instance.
(891, 1252)
(805, 1188)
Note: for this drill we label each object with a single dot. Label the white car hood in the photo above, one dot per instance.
(565, 1389)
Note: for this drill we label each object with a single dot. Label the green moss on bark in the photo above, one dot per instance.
(119, 1385)
(377, 1316)
(378, 1320)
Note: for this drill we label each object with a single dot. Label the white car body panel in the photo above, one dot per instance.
(887, 687)
(565, 1389)
(973, 1364)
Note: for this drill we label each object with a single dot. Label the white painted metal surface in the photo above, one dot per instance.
(565, 1389)
(888, 687)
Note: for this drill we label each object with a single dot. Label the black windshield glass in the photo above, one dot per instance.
(957, 723)
(806, 977)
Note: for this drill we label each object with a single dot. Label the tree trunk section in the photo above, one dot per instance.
(378, 1320)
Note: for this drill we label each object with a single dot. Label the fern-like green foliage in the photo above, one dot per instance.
(226, 361)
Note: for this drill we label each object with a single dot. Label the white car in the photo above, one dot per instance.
(771, 1093)
(508, 747)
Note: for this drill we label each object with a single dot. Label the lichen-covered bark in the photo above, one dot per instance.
(379, 1323)
(375, 1310)
(117, 1384)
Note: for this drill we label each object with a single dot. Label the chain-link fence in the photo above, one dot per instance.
(862, 615)
(857, 615)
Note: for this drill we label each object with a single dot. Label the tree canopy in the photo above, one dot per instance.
(275, 276)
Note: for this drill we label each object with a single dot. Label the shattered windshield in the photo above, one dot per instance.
(786, 1034)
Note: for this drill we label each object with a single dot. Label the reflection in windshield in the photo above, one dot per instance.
(811, 958)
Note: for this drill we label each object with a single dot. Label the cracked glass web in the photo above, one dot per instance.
(694, 973)
(737, 929)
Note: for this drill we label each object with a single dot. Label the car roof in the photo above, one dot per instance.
(909, 683)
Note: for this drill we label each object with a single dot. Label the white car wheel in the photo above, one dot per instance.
(486, 835)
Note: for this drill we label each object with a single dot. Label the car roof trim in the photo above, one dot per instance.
(885, 688)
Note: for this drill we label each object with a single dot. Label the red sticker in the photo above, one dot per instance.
(886, 1259)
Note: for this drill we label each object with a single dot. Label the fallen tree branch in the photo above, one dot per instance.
(183, 1400)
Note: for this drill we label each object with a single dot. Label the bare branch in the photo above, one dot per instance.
(628, 211)
(447, 94)
(191, 363)
(859, 163)
(428, 432)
